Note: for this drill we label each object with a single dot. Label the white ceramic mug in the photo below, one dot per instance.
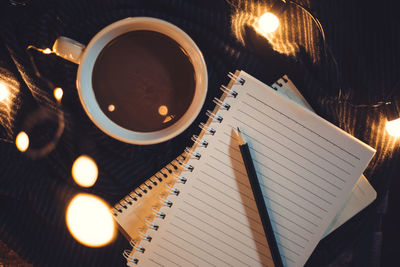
(86, 58)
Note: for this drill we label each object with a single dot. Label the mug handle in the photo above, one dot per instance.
(68, 49)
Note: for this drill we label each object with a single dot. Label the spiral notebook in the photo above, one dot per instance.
(202, 211)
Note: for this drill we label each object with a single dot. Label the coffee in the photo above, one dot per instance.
(143, 81)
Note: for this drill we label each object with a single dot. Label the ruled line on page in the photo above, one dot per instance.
(153, 261)
(290, 230)
(291, 191)
(230, 236)
(302, 125)
(288, 199)
(295, 142)
(291, 150)
(190, 233)
(174, 235)
(198, 238)
(291, 181)
(294, 162)
(286, 178)
(256, 220)
(280, 205)
(290, 240)
(283, 166)
(227, 225)
(254, 209)
(232, 218)
(275, 212)
(219, 240)
(302, 197)
(232, 168)
(166, 258)
(272, 211)
(305, 137)
(249, 196)
(187, 251)
(217, 201)
(175, 255)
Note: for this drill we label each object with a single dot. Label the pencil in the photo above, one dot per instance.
(259, 198)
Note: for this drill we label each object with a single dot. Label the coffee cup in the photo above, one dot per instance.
(140, 80)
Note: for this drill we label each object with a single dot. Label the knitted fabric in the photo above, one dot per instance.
(34, 193)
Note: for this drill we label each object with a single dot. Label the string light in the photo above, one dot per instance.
(393, 127)
(46, 51)
(22, 141)
(268, 23)
(58, 94)
(85, 171)
(45, 114)
(4, 91)
(89, 220)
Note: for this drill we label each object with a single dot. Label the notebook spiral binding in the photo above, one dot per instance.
(146, 187)
(179, 164)
(280, 82)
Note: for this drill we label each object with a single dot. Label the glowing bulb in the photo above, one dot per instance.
(393, 127)
(4, 91)
(85, 171)
(58, 93)
(89, 220)
(268, 22)
(47, 51)
(22, 141)
(163, 110)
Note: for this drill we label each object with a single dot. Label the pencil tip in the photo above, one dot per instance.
(240, 138)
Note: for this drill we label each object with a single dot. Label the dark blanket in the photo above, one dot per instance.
(34, 193)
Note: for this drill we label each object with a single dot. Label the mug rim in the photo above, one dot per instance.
(88, 98)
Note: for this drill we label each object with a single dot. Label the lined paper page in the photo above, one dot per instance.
(362, 193)
(306, 166)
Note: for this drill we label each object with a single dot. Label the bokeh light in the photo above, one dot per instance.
(85, 171)
(58, 93)
(89, 220)
(4, 91)
(22, 141)
(268, 23)
(393, 127)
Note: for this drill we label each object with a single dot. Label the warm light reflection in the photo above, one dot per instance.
(111, 108)
(168, 118)
(393, 127)
(85, 171)
(58, 93)
(283, 39)
(89, 220)
(22, 141)
(4, 91)
(163, 110)
(268, 23)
